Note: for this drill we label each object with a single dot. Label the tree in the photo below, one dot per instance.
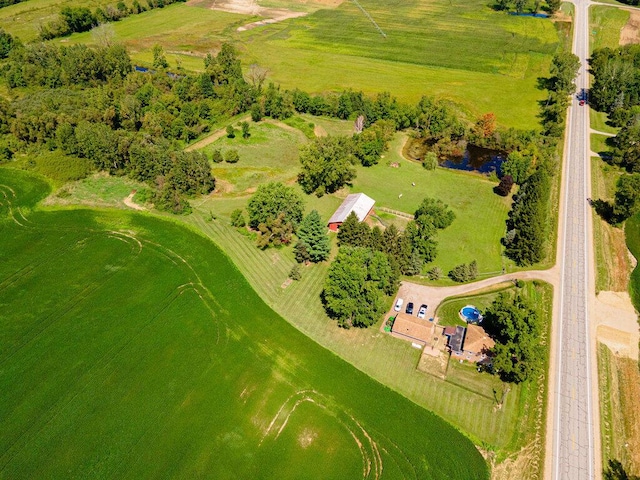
(355, 286)
(353, 232)
(626, 152)
(627, 199)
(7, 42)
(273, 199)
(216, 156)
(515, 327)
(504, 187)
(312, 233)
(237, 219)
(301, 253)
(554, 5)
(274, 232)
(464, 272)
(295, 273)
(327, 165)
(159, 60)
(435, 273)
(231, 156)
(564, 68)
(430, 161)
(517, 166)
(231, 132)
(435, 212)
(485, 127)
(245, 129)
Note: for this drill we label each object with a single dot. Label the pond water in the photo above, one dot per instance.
(476, 159)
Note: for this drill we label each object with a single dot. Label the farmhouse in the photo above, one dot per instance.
(471, 343)
(357, 203)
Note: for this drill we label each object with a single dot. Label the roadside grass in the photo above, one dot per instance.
(599, 121)
(606, 23)
(388, 360)
(269, 154)
(192, 375)
(599, 144)
(618, 380)
(611, 272)
(632, 232)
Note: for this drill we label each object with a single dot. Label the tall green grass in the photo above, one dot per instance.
(132, 347)
(632, 232)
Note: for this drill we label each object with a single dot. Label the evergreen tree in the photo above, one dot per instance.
(301, 253)
(313, 234)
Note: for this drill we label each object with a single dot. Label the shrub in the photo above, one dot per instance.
(237, 219)
(295, 273)
(231, 132)
(231, 156)
(430, 161)
(216, 156)
(464, 272)
(504, 187)
(435, 273)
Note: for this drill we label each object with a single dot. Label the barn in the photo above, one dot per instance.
(358, 203)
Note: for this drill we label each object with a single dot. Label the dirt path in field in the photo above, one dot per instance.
(128, 201)
(213, 137)
(630, 33)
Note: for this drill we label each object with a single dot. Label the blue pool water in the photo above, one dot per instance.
(470, 313)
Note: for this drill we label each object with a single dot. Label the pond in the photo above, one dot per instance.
(476, 159)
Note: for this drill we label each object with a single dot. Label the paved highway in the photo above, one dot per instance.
(574, 432)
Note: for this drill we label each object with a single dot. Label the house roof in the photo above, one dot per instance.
(476, 340)
(358, 203)
(449, 331)
(456, 340)
(412, 327)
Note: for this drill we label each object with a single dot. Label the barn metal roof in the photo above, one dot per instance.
(358, 203)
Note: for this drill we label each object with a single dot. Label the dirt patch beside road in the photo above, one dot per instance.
(617, 323)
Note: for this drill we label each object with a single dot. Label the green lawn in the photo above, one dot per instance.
(147, 354)
(599, 144)
(449, 311)
(480, 214)
(269, 154)
(606, 23)
(599, 122)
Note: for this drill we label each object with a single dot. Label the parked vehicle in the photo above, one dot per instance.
(409, 309)
(398, 306)
(423, 311)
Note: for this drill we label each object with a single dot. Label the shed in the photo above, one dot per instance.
(358, 203)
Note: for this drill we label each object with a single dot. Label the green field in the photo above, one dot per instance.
(606, 23)
(132, 347)
(431, 48)
(632, 232)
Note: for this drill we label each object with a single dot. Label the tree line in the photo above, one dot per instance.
(616, 91)
(82, 19)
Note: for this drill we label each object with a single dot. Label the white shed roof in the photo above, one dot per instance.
(358, 203)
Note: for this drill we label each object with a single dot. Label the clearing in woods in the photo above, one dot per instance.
(193, 375)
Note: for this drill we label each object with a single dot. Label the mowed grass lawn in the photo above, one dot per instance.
(132, 347)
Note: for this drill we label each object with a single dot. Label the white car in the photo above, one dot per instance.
(398, 306)
(423, 311)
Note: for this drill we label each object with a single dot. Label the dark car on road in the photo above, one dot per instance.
(409, 309)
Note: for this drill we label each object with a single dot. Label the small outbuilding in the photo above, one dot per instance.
(358, 203)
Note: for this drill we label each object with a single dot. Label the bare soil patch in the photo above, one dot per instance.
(630, 33)
(617, 323)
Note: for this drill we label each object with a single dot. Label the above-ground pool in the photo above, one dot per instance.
(470, 314)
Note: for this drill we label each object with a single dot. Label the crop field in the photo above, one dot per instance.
(132, 347)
